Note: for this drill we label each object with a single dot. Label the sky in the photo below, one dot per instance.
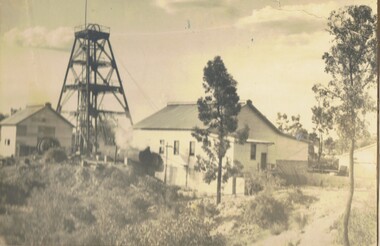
(272, 48)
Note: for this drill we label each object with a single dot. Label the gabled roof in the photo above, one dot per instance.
(29, 111)
(370, 146)
(184, 116)
(270, 124)
(172, 117)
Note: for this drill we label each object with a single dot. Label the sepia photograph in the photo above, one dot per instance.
(189, 122)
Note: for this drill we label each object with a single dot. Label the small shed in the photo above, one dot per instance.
(20, 133)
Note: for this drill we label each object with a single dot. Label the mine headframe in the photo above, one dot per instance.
(93, 77)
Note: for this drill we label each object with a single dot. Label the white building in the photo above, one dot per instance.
(20, 133)
(365, 160)
(266, 145)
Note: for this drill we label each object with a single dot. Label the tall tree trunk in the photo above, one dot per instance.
(219, 183)
(347, 211)
(320, 151)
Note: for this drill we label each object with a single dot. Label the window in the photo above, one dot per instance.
(192, 148)
(21, 130)
(176, 147)
(162, 147)
(8, 142)
(253, 151)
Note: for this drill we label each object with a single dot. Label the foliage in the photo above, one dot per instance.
(329, 144)
(218, 111)
(301, 220)
(74, 205)
(56, 155)
(323, 120)
(161, 192)
(242, 134)
(185, 229)
(292, 127)
(256, 182)
(296, 196)
(2, 116)
(277, 228)
(362, 227)
(351, 62)
(266, 211)
(205, 209)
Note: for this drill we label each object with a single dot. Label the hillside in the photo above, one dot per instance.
(64, 204)
(50, 204)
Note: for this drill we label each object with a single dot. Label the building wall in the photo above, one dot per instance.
(284, 148)
(177, 164)
(8, 140)
(291, 149)
(45, 119)
(365, 160)
(242, 153)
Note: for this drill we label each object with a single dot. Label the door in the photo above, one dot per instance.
(263, 161)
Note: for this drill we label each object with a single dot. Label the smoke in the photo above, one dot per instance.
(123, 133)
(60, 38)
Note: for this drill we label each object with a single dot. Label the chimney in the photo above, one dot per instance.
(249, 102)
(48, 104)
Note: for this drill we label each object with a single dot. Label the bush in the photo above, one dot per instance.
(184, 229)
(114, 177)
(57, 155)
(361, 228)
(296, 196)
(276, 228)
(158, 189)
(258, 181)
(301, 220)
(205, 209)
(266, 211)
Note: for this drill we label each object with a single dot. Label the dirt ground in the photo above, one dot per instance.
(321, 215)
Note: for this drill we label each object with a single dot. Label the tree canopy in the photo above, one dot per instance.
(351, 62)
(218, 111)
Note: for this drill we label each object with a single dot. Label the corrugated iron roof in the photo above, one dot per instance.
(23, 114)
(184, 116)
(172, 117)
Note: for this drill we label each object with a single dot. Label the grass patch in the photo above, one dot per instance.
(362, 227)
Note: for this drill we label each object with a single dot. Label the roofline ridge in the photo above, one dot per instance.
(171, 103)
(35, 105)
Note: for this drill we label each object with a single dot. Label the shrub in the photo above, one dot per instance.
(258, 181)
(361, 228)
(301, 220)
(296, 196)
(113, 177)
(207, 209)
(277, 228)
(266, 211)
(158, 189)
(184, 229)
(57, 155)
